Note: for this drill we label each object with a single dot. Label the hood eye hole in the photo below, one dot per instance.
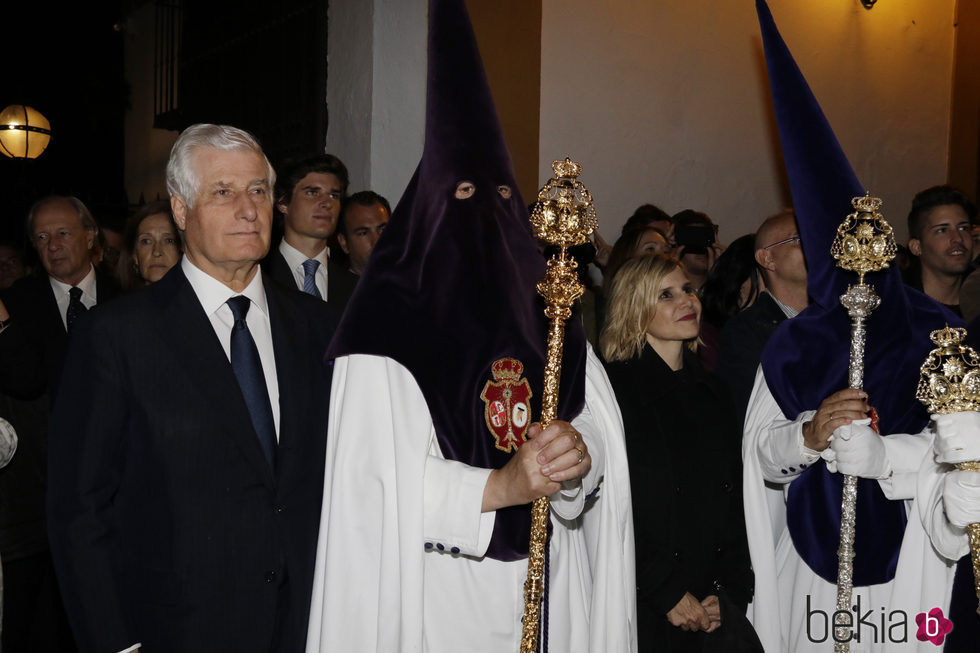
(464, 190)
(504, 191)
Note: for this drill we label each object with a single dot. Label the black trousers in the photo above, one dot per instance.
(34, 619)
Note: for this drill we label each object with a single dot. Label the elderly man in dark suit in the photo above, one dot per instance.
(186, 462)
(36, 314)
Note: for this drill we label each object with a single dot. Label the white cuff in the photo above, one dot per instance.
(781, 450)
(905, 453)
(453, 521)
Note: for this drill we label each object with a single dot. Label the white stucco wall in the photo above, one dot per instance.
(376, 90)
(667, 102)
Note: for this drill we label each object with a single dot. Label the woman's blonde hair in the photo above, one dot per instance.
(631, 305)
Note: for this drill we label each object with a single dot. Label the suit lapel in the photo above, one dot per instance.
(187, 328)
(275, 267)
(49, 307)
(292, 371)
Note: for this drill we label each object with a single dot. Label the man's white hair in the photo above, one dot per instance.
(181, 177)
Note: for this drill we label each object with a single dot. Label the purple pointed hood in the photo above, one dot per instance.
(450, 286)
(807, 357)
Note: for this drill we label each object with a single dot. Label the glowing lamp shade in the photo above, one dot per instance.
(24, 132)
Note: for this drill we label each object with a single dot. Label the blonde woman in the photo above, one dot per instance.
(683, 441)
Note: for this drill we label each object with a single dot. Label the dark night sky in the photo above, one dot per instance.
(70, 68)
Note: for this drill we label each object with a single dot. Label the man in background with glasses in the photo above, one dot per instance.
(783, 269)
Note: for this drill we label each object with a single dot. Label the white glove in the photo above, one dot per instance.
(856, 450)
(961, 497)
(957, 437)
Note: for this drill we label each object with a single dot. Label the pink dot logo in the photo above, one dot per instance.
(933, 627)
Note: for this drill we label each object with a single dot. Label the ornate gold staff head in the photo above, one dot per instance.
(864, 242)
(949, 379)
(563, 214)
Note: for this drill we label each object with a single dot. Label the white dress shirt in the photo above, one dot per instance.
(295, 259)
(61, 290)
(213, 296)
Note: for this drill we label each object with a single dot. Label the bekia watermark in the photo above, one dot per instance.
(878, 626)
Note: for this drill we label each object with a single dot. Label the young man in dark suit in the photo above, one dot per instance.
(186, 461)
(309, 196)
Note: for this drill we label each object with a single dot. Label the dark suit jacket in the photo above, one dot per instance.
(32, 348)
(742, 340)
(685, 464)
(340, 281)
(168, 527)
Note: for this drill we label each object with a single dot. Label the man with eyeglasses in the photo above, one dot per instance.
(308, 195)
(780, 258)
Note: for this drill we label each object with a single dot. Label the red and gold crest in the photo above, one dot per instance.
(507, 404)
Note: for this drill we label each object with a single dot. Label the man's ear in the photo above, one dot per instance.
(342, 241)
(764, 259)
(915, 246)
(179, 207)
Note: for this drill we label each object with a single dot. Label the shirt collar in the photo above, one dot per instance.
(295, 258)
(213, 294)
(788, 311)
(87, 284)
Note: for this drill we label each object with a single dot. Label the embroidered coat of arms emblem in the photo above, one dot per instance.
(507, 409)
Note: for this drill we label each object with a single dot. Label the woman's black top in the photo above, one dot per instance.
(684, 446)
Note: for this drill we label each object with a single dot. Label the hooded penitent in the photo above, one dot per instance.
(806, 360)
(450, 286)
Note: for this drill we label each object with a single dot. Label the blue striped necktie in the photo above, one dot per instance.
(309, 280)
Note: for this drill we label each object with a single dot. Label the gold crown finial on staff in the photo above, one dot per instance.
(949, 380)
(563, 216)
(865, 241)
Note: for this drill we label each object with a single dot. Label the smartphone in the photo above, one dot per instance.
(694, 235)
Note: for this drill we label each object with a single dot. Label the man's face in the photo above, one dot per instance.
(946, 245)
(787, 257)
(227, 231)
(364, 225)
(62, 241)
(313, 210)
(12, 266)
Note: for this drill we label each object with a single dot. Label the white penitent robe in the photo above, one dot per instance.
(793, 607)
(400, 563)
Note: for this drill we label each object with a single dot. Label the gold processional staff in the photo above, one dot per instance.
(563, 216)
(864, 243)
(949, 382)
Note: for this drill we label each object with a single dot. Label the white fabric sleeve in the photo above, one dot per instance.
(905, 453)
(949, 541)
(568, 502)
(782, 454)
(453, 521)
(134, 647)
